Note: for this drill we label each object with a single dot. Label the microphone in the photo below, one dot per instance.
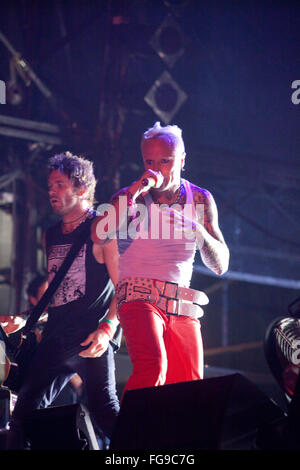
(153, 181)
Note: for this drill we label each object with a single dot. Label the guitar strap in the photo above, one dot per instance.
(53, 286)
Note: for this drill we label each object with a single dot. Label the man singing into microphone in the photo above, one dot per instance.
(158, 311)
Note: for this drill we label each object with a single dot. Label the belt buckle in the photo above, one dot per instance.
(166, 287)
(176, 314)
(169, 293)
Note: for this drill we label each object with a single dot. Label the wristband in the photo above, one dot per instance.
(106, 327)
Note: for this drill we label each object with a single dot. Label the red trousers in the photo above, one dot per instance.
(163, 348)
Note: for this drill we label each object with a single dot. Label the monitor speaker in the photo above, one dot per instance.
(216, 413)
(61, 428)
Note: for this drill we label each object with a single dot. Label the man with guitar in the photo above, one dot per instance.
(20, 350)
(82, 330)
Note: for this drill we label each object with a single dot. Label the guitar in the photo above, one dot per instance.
(12, 341)
(8, 348)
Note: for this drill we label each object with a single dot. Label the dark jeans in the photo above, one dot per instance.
(49, 371)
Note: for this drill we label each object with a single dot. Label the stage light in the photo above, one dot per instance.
(165, 97)
(14, 94)
(169, 41)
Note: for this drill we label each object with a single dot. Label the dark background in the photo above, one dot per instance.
(240, 127)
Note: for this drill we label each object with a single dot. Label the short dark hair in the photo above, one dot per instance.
(78, 169)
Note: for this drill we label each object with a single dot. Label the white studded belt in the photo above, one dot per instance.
(171, 298)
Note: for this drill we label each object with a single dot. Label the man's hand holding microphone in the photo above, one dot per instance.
(107, 223)
(149, 179)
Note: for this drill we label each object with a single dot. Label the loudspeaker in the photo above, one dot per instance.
(61, 428)
(216, 413)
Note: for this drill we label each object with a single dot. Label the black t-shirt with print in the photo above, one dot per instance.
(83, 297)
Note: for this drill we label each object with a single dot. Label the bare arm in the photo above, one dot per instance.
(99, 338)
(119, 210)
(213, 249)
(111, 259)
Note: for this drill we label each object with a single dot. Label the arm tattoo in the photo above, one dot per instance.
(213, 249)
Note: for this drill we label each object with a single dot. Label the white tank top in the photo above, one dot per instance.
(151, 248)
